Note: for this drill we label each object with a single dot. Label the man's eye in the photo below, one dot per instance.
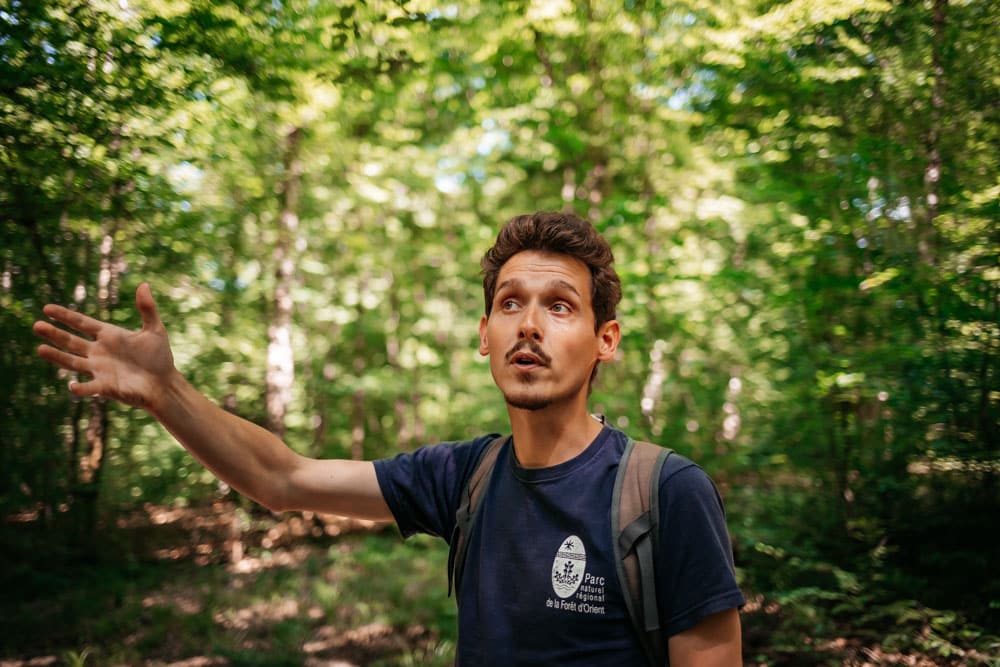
(508, 304)
(560, 307)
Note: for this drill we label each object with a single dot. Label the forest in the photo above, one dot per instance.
(803, 200)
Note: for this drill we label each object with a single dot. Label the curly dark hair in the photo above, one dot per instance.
(562, 233)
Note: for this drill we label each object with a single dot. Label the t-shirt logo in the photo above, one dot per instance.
(569, 566)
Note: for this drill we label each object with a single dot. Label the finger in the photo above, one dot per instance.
(62, 338)
(147, 308)
(82, 389)
(71, 318)
(70, 362)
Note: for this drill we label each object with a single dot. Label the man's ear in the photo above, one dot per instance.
(484, 345)
(608, 337)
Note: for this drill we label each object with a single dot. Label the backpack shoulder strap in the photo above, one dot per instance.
(635, 516)
(468, 506)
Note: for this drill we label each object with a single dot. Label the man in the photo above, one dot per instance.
(551, 293)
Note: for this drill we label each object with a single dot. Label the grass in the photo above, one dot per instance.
(158, 589)
(363, 598)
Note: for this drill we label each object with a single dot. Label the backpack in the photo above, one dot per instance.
(635, 515)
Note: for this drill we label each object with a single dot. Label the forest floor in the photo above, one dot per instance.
(218, 586)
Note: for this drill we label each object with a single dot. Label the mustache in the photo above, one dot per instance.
(532, 346)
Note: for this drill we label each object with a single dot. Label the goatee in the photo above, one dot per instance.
(532, 404)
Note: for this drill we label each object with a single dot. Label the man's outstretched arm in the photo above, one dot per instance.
(137, 368)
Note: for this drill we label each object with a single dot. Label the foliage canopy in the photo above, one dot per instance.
(802, 197)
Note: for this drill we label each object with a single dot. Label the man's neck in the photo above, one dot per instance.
(554, 435)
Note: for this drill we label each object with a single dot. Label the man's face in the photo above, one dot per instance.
(540, 332)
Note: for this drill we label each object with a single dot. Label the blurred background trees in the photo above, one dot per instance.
(802, 197)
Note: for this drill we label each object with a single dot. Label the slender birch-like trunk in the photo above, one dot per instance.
(280, 360)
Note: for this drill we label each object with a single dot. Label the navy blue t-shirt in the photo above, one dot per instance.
(539, 585)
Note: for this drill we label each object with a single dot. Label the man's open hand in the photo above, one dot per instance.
(130, 366)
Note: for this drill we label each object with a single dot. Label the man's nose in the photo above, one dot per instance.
(529, 325)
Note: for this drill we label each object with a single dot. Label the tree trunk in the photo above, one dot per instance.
(359, 365)
(406, 405)
(358, 426)
(280, 361)
(932, 174)
(89, 463)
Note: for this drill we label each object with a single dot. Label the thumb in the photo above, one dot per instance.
(147, 308)
(85, 389)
